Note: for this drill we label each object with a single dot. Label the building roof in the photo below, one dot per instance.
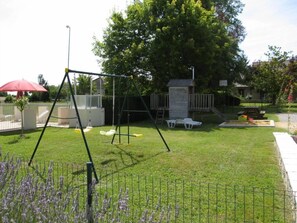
(181, 83)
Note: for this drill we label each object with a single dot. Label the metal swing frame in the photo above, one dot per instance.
(66, 76)
(118, 127)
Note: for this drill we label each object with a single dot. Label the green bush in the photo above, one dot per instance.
(9, 99)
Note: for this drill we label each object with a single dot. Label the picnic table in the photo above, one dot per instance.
(252, 112)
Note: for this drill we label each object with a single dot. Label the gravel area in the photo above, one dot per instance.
(283, 122)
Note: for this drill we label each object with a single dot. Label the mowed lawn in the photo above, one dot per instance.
(234, 156)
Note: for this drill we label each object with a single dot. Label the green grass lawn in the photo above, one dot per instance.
(211, 174)
(235, 156)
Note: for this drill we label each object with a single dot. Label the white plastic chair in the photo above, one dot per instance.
(171, 123)
(189, 123)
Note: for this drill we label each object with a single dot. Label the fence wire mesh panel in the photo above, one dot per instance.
(180, 201)
(9, 117)
(60, 189)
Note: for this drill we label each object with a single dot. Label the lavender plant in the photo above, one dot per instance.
(29, 198)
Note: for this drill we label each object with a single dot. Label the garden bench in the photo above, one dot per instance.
(252, 112)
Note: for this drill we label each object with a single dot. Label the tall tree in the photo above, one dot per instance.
(44, 96)
(41, 96)
(84, 84)
(271, 76)
(228, 11)
(158, 40)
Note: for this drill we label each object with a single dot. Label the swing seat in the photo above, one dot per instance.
(87, 129)
(137, 134)
(108, 133)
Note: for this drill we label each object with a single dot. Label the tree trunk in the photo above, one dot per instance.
(22, 123)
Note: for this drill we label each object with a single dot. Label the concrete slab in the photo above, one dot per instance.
(287, 150)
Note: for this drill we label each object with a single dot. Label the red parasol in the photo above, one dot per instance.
(22, 85)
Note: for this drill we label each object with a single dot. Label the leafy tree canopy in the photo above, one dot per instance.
(158, 40)
(64, 92)
(277, 76)
(3, 94)
(41, 96)
(84, 85)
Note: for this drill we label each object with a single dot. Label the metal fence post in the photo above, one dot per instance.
(89, 192)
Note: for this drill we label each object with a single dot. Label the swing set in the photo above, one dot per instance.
(117, 130)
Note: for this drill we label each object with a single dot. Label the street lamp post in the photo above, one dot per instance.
(69, 28)
(193, 76)
(193, 72)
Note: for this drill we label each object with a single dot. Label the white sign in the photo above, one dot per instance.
(223, 83)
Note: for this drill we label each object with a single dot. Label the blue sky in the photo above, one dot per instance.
(269, 23)
(34, 37)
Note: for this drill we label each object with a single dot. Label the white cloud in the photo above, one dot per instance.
(269, 23)
(34, 37)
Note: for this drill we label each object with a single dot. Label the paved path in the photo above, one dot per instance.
(287, 150)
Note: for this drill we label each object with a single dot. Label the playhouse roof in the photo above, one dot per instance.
(181, 83)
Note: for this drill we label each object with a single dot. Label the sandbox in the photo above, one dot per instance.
(254, 123)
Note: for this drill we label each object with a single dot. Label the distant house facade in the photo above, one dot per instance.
(249, 93)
